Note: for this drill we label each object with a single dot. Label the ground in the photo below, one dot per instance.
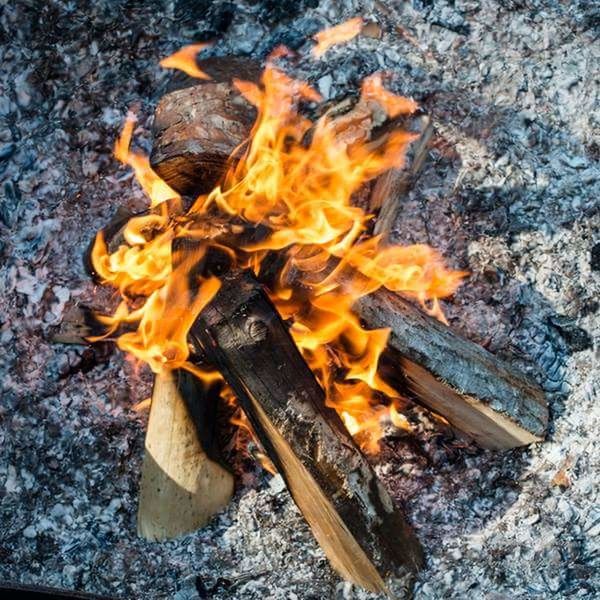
(509, 193)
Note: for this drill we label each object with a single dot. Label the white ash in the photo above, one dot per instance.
(509, 193)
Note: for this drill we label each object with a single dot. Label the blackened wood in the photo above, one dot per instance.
(350, 513)
(476, 392)
(393, 186)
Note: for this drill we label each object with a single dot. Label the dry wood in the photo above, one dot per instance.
(351, 515)
(182, 487)
(391, 187)
(476, 392)
(195, 131)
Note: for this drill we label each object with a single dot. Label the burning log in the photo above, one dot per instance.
(476, 392)
(390, 187)
(349, 512)
(182, 484)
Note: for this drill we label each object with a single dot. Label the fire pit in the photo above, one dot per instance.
(268, 292)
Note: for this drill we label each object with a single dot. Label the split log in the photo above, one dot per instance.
(511, 413)
(476, 392)
(182, 485)
(351, 515)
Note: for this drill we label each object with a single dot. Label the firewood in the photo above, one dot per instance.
(185, 145)
(351, 515)
(476, 392)
(181, 487)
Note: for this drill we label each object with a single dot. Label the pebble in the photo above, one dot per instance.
(7, 150)
(30, 532)
(324, 85)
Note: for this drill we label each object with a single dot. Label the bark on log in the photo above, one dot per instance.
(349, 512)
(182, 486)
(476, 392)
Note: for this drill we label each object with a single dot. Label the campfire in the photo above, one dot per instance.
(263, 274)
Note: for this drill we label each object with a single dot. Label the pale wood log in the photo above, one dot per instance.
(350, 513)
(181, 487)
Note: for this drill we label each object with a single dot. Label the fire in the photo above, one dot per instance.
(156, 189)
(297, 178)
(336, 35)
(185, 60)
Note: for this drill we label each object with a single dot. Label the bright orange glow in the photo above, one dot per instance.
(185, 60)
(296, 178)
(156, 189)
(336, 35)
(372, 89)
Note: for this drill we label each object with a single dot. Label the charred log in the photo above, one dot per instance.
(186, 145)
(349, 512)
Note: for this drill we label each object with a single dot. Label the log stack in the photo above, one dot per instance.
(479, 394)
(197, 131)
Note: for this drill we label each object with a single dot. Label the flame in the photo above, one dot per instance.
(185, 60)
(296, 178)
(156, 189)
(336, 35)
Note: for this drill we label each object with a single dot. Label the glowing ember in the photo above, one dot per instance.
(336, 35)
(185, 60)
(301, 191)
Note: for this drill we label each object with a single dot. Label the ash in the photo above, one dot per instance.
(510, 193)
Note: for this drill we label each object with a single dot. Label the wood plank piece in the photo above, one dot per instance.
(181, 487)
(349, 512)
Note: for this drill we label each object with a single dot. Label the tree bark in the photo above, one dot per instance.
(476, 392)
(351, 515)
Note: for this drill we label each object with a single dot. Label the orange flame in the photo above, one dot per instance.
(185, 60)
(156, 189)
(297, 177)
(336, 35)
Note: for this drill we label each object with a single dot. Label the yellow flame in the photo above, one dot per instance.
(185, 60)
(336, 35)
(156, 189)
